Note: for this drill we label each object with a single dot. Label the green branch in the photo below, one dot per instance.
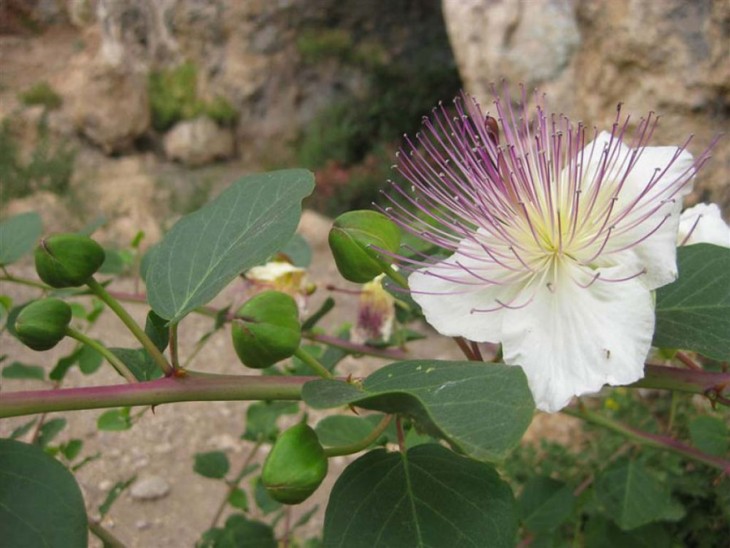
(191, 386)
(136, 330)
(650, 440)
(313, 363)
(362, 444)
(712, 384)
(104, 351)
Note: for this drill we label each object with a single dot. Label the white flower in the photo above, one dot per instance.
(703, 224)
(555, 246)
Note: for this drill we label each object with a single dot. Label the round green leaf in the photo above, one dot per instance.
(426, 498)
(40, 502)
(482, 409)
(213, 464)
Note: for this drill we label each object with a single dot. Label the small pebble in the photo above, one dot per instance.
(150, 488)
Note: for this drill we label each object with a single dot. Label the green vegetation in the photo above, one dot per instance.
(41, 94)
(49, 166)
(359, 134)
(699, 515)
(174, 97)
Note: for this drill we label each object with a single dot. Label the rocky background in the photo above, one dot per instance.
(141, 92)
(149, 108)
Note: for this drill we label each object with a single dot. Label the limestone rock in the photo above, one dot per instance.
(124, 191)
(670, 57)
(109, 105)
(198, 142)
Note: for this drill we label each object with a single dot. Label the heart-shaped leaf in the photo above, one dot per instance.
(40, 502)
(693, 313)
(208, 248)
(427, 497)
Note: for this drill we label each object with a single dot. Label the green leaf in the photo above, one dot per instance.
(213, 464)
(23, 429)
(261, 419)
(239, 532)
(263, 500)
(238, 499)
(114, 420)
(157, 330)
(344, 430)
(601, 533)
(327, 306)
(481, 409)
(631, 497)
(71, 449)
(298, 251)
(113, 494)
(50, 430)
(693, 313)
(18, 236)
(40, 502)
(17, 370)
(710, 435)
(545, 504)
(63, 365)
(429, 497)
(207, 249)
(115, 261)
(89, 360)
(139, 362)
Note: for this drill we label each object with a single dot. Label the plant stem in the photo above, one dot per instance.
(190, 387)
(234, 484)
(173, 347)
(313, 363)
(392, 273)
(650, 440)
(24, 281)
(104, 351)
(104, 535)
(465, 348)
(362, 444)
(708, 383)
(384, 353)
(136, 330)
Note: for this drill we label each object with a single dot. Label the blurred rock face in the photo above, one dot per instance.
(671, 57)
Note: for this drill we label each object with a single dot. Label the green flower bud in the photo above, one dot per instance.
(68, 260)
(42, 324)
(295, 466)
(351, 238)
(269, 331)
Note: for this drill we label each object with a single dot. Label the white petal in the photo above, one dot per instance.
(452, 305)
(646, 218)
(703, 224)
(574, 340)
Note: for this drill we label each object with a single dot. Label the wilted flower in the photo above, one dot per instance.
(376, 313)
(281, 276)
(703, 224)
(555, 245)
